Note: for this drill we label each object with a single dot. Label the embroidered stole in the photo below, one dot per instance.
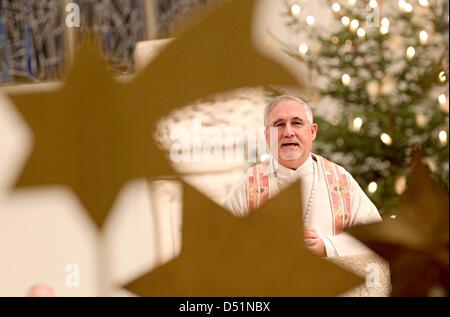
(338, 186)
(257, 185)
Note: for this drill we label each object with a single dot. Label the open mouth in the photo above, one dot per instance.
(290, 145)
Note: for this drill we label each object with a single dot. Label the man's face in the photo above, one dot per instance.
(294, 134)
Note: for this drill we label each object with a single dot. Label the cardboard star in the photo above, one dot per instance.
(262, 254)
(415, 243)
(216, 55)
(89, 135)
(95, 134)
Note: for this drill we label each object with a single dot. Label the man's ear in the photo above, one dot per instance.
(314, 128)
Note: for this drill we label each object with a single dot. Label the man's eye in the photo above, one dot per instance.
(279, 124)
(297, 124)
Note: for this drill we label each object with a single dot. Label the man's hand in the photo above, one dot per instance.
(314, 243)
(41, 290)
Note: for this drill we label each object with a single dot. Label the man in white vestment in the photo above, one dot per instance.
(332, 199)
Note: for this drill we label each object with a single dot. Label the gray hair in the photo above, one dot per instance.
(277, 100)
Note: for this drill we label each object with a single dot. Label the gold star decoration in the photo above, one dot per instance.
(262, 254)
(95, 134)
(214, 56)
(90, 136)
(415, 243)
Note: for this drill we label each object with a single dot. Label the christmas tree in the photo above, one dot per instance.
(385, 65)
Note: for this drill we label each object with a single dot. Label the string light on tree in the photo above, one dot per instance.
(336, 7)
(423, 37)
(345, 21)
(310, 20)
(361, 33)
(410, 52)
(354, 25)
(303, 49)
(387, 67)
(408, 7)
(373, 4)
(296, 10)
(384, 29)
(421, 120)
(443, 137)
(372, 188)
(385, 138)
(400, 185)
(346, 79)
(357, 123)
(405, 6)
(443, 103)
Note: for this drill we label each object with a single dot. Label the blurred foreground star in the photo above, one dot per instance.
(95, 134)
(415, 243)
(262, 254)
(90, 136)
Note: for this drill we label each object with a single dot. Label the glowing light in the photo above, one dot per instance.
(424, 3)
(372, 188)
(408, 7)
(442, 99)
(384, 29)
(373, 4)
(310, 20)
(351, 2)
(345, 20)
(354, 25)
(296, 9)
(410, 52)
(405, 6)
(442, 77)
(423, 36)
(393, 216)
(443, 137)
(303, 49)
(357, 123)
(346, 79)
(361, 32)
(400, 185)
(421, 120)
(386, 139)
(336, 7)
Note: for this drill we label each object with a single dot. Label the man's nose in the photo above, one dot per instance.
(288, 131)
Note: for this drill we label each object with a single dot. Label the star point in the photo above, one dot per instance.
(258, 255)
(415, 243)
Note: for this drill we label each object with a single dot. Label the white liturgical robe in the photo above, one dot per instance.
(320, 217)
